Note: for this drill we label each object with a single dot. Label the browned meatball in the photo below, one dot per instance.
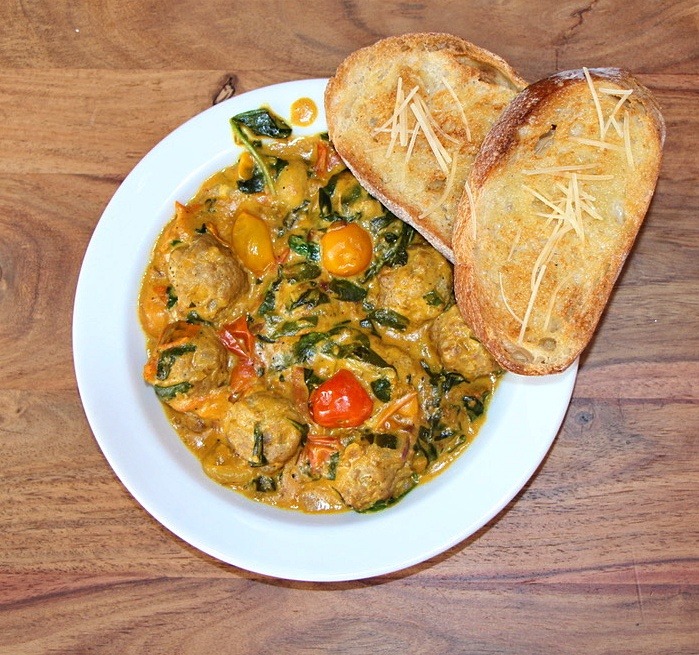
(414, 290)
(188, 363)
(459, 350)
(205, 276)
(263, 428)
(367, 473)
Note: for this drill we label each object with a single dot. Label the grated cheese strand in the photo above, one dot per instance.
(447, 190)
(411, 145)
(552, 302)
(590, 210)
(615, 124)
(588, 176)
(624, 97)
(544, 199)
(597, 144)
(515, 243)
(558, 232)
(504, 300)
(530, 304)
(595, 99)
(558, 169)
(577, 223)
(441, 155)
(627, 141)
(395, 118)
(399, 107)
(433, 121)
(403, 124)
(459, 106)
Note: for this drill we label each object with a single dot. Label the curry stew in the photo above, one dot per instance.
(303, 340)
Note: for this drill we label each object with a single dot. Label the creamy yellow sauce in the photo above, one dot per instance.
(303, 340)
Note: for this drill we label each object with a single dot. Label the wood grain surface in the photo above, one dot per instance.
(599, 553)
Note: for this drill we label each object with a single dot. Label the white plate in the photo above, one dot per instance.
(153, 464)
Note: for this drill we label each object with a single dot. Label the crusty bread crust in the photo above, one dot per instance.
(537, 251)
(361, 98)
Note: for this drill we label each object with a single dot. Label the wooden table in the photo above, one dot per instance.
(599, 553)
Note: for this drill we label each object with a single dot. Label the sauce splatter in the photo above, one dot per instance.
(304, 112)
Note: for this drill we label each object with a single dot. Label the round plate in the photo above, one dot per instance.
(151, 461)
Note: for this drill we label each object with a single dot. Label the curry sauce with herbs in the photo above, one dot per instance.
(303, 340)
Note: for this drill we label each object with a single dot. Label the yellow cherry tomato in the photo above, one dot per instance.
(252, 243)
(346, 249)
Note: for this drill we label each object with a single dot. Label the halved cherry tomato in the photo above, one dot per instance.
(327, 159)
(346, 249)
(318, 451)
(341, 402)
(237, 338)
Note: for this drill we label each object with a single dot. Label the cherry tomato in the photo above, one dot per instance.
(346, 249)
(237, 338)
(252, 243)
(340, 402)
(318, 451)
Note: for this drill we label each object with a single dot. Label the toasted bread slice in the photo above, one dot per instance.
(408, 115)
(551, 209)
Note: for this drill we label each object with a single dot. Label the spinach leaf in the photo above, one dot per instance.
(433, 299)
(302, 272)
(362, 353)
(270, 298)
(256, 184)
(258, 455)
(388, 502)
(304, 348)
(307, 249)
(475, 406)
(295, 214)
(382, 389)
(279, 165)
(290, 328)
(332, 466)
(310, 298)
(391, 244)
(263, 122)
(389, 318)
(346, 290)
(425, 444)
(311, 379)
(325, 204)
(382, 439)
(193, 317)
(168, 393)
(260, 164)
(443, 381)
(171, 298)
(167, 358)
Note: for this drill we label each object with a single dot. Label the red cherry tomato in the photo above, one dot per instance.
(237, 338)
(341, 402)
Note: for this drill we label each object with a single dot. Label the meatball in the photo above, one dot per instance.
(459, 350)
(414, 290)
(264, 429)
(205, 276)
(367, 473)
(189, 362)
